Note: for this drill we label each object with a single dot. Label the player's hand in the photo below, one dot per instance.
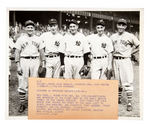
(108, 73)
(19, 70)
(43, 64)
(109, 67)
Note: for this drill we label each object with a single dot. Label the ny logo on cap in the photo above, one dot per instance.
(57, 43)
(78, 43)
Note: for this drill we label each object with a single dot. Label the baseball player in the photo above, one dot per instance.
(27, 59)
(76, 51)
(123, 43)
(51, 42)
(101, 51)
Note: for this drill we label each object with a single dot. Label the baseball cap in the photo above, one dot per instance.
(122, 21)
(29, 22)
(73, 21)
(100, 22)
(52, 21)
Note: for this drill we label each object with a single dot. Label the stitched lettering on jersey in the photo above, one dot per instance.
(57, 43)
(126, 42)
(103, 45)
(78, 43)
(35, 44)
(26, 44)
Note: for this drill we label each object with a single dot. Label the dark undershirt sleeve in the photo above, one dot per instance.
(62, 58)
(86, 58)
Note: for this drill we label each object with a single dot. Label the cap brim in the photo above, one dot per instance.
(100, 24)
(30, 24)
(52, 23)
(122, 23)
(73, 23)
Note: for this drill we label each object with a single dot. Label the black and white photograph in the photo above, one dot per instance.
(75, 44)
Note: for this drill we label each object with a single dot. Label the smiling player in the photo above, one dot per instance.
(123, 43)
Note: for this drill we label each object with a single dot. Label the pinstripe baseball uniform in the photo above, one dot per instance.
(29, 59)
(100, 47)
(52, 43)
(74, 48)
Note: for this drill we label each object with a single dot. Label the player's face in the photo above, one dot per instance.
(30, 29)
(100, 29)
(73, 28)
(121, 27)
(54, 28)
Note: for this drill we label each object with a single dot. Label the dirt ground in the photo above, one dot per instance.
(14, 100)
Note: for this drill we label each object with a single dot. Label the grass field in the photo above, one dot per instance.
(14, 100)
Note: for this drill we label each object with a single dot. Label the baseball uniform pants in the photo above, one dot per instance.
(72, 67)
(30, 69)
(123, 71)
(53, 67)
(98, 68)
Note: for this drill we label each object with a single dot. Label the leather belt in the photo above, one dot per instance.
(100, 57)
(51, 56)
(29, 57)
(119, 57)
(74, 56)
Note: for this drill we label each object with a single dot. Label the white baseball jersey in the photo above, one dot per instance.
(123, 44)
(100, 45)
(75, 45)
(51, 42)
(29, 46)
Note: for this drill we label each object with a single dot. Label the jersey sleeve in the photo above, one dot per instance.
(88, 39)
(110, 46)
(11, 44)
(112, 38)
(18, 43)
(86, 45)
(135, 40)
(62, 44)
(41, 42)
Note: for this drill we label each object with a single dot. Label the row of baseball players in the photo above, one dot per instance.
(70, 53)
